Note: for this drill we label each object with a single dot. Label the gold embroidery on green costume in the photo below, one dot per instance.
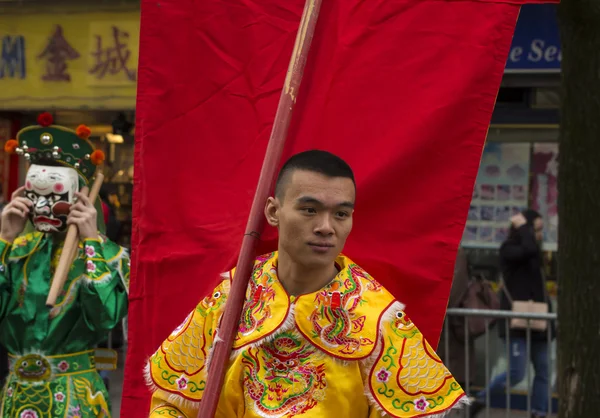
(52, 359)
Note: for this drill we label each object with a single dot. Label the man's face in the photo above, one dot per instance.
(52, 191)
(314, 217)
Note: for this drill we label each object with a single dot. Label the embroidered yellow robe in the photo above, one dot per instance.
(347, 350)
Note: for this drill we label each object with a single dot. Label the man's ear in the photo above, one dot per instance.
(272, 211)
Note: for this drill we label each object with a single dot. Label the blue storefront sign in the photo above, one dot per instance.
(536, 43)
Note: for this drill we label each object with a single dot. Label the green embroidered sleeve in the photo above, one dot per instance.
(5, 247)
(104, 298)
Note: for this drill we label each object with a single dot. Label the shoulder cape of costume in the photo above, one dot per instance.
(115, 256)
(352, 321)
(26, 243)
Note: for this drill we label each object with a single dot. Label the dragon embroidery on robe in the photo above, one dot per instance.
(285, 377)
(260, 292)
(334, 321)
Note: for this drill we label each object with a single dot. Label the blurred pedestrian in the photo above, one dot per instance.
(521, 262)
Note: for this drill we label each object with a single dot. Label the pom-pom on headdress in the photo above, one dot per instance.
(48, 142)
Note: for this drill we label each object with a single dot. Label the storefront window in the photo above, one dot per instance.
(519, 170)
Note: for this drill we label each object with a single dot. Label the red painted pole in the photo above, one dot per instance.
(233, 307)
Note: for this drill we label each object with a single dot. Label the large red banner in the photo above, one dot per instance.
(402, 89)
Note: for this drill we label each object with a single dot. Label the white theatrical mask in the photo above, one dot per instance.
(52, 191)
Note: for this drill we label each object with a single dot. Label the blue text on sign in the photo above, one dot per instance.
(12, 57)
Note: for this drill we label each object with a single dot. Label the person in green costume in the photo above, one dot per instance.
(53, 370)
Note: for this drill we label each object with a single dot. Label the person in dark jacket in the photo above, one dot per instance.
(521, 262)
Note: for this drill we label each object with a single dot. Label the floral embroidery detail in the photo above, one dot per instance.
(417, 377)
(90, 251)
(59, 397)
(90, 266)
(182, 382)
(29, 413)
(63, 366)
(383, 375)
(285, 377)
(9, 392)
(421, 404)
(74, 412)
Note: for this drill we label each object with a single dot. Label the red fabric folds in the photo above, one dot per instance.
(402, 89)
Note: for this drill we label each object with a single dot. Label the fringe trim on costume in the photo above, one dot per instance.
(115, 263)
(386, 316)
(369, 362)
(106, 278)
(288, 323)
(148, 377)
(172, 398)
(226, 283)
(217, 340)
(463, 400)
(182, 403)
(391, 313)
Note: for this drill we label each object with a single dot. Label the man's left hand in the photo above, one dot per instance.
(84, 215)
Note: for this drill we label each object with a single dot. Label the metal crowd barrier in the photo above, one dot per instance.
(508, 315)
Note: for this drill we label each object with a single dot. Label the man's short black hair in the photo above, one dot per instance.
(317, 161)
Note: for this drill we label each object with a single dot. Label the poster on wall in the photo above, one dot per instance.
(544, 190)
(500, 192)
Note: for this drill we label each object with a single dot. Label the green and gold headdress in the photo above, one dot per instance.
(47, 142)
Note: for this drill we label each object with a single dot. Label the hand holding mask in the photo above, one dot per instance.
(15, 215)
(83, 214)
(62, 160)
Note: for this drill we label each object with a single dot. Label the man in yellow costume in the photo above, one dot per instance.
(318, 336)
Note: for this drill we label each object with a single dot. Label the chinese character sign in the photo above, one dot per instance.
(56, 53)
(70, 60)
(113, 53)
